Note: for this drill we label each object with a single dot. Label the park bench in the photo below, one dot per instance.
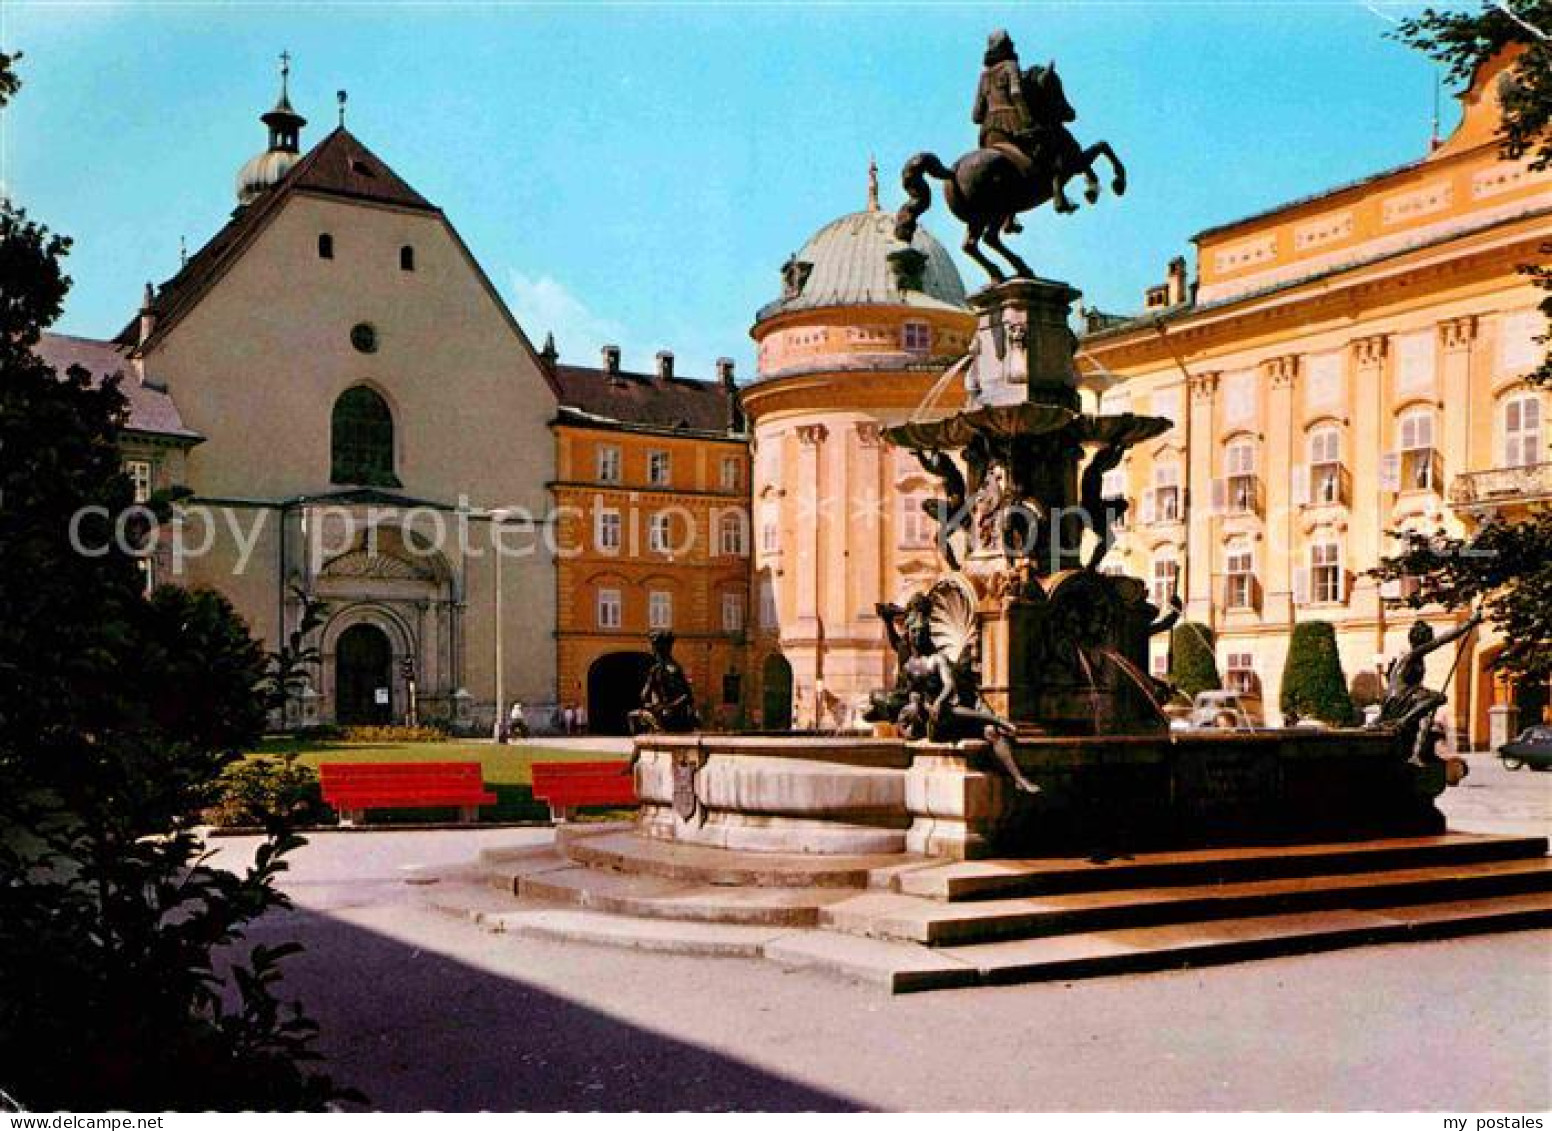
(568, 785)
(354, 787)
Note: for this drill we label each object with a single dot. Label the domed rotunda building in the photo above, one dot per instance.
(859, 339)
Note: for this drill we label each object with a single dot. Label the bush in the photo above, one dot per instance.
(264, 790)
(1192, 666)
(1313, 683)
(379, 735)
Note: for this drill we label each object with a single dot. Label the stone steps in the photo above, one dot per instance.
(938, 923)
(716, 866)
(996, 879)
(654, 897)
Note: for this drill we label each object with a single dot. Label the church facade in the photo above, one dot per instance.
(361, 421)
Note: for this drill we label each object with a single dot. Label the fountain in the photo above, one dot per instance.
(1024, 723)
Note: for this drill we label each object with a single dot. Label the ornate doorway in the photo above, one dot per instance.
(614, 685)
(363, 676)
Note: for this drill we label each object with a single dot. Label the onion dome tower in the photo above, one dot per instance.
(265, 170)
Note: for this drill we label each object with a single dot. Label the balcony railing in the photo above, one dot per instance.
(1531, 483)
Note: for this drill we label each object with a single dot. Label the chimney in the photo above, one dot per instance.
(665, 365)
(611, 356)
(1175, 280)
(725, 373)
(147, 315)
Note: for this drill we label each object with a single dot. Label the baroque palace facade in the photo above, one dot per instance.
(1348, 364)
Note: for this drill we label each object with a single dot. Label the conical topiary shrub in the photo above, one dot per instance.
(1192, 667)
(1313, 684)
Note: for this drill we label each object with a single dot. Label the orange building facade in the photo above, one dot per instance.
(652, 532)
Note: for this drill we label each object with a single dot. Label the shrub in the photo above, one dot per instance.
(264, 790)
(379, 735)
(1313, 683)
(1192, 666)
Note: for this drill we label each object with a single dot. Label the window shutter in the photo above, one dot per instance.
(1301, 585)
(1301, 484)
(1149, 509)
(1343, 584)
(1390, 471)
(1220, 496)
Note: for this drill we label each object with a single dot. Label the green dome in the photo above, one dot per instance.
(857, 261)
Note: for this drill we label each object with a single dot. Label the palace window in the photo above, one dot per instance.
(1240, 673)
(660, 609)
(1326, 573)
(139, 472)
(606, 531)
(608, 608)
(729, 473)
(1523, 445)
(1240, 590)
(916, 527)
(325, 246)
(1112, 489)
(608, 463)
(362, 440)
(406, 258)
(916, 337)
(732, 612)
(1327, 477)
(1241, 492)
(659, 470)
(1165, 582)
(660, 534)
(768, 615)
(730, 534)
(1417, 458)
(1161, 502)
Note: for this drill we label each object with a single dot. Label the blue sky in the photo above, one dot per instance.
(637, 173)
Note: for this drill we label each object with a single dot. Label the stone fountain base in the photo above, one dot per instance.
(854, 795)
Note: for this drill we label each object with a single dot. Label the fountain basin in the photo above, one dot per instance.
(851, 794)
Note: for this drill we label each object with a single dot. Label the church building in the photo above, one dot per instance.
(361, 421)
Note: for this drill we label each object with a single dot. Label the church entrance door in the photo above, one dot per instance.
(363, 674)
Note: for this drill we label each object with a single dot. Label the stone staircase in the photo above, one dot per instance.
(912, 923)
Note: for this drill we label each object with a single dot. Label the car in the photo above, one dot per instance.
(1226, 710)
(1533, 748)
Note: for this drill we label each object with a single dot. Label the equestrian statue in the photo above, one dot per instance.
(1026, 157)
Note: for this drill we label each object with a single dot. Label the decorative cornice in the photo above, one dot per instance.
(812, 435)
(1204, 386)
(1372, 349)
(870, 433)
(1458, 333)
(1281, 371)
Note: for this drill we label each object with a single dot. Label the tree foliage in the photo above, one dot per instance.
(1313, 684)
(117, 715)
(286, 668)
(1192, 666)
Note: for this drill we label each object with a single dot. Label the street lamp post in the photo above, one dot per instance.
(498, 730)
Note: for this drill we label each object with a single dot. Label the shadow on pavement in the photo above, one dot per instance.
(439, 1034)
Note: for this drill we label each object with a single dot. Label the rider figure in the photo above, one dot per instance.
(1000, 109)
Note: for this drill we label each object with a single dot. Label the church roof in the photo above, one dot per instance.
(847, 263)
(339, 165)
(641, 400)
(151, 410)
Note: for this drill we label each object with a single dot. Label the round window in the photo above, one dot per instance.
(363, 335)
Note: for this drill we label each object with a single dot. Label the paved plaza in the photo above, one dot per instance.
(422, 1010)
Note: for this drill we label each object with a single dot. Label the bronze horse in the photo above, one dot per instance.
(988, 188)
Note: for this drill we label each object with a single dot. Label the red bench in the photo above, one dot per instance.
(568, 785)
(354, 787)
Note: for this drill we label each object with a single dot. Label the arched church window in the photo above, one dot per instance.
(325, 246)
(362, 440)
(406, 258)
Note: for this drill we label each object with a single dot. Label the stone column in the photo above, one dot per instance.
(808, 499)
(1201, 557)
(864, 527)
(1369, 438)
(1279, 452)
(1457, 336)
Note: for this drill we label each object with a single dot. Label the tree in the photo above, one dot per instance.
(117, 715)
(286, 668)
(1313, 684)
(1192, 666)
(1505, 566)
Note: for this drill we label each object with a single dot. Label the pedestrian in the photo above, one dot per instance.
(517, 725)
(568, 719)
(581, 719)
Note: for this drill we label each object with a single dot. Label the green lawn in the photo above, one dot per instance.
(506, 769)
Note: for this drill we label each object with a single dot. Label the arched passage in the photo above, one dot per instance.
(776, 703)
(363, 676)
(614, 684)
